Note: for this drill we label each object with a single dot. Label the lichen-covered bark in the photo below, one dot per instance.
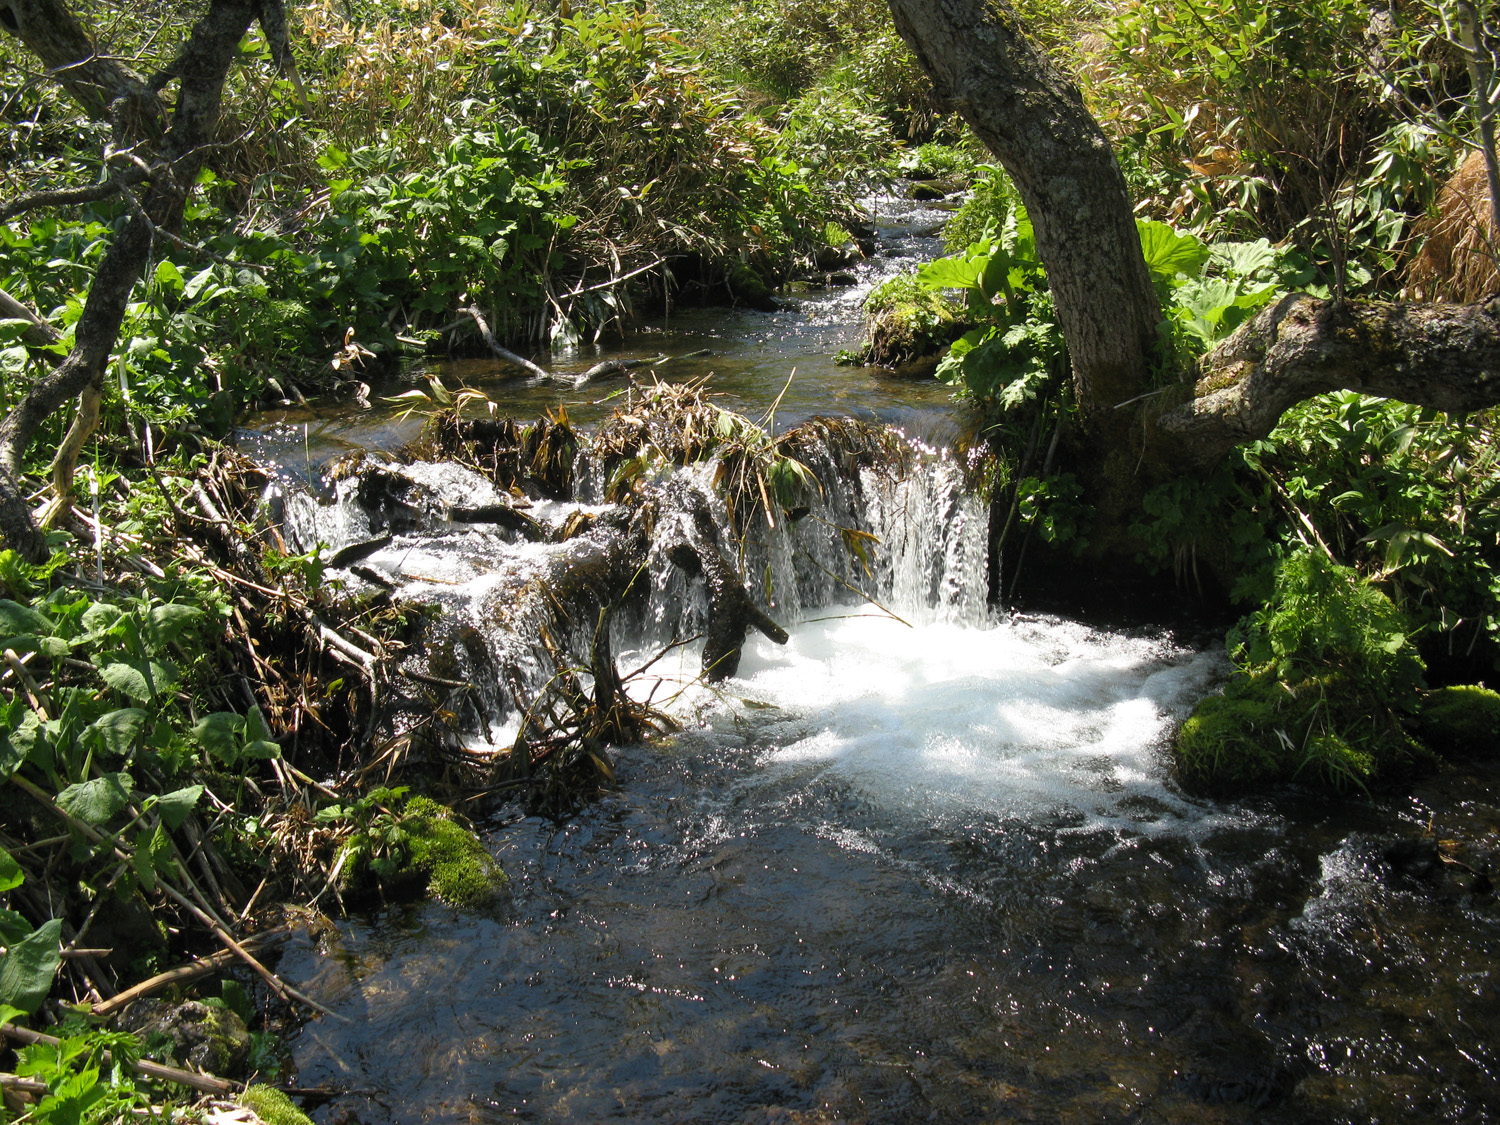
(1034, 120)
(103, 85)
(1443, 356)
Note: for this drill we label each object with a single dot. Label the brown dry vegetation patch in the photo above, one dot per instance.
(1457, 259)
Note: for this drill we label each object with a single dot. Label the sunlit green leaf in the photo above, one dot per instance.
(27, 969)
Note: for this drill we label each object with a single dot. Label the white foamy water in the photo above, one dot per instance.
(1034, 719)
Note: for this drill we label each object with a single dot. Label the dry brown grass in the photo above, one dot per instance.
(1457, 259)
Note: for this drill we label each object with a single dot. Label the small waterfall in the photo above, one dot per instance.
(892, 525)
(896, 671)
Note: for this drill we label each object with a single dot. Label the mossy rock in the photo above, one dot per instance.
(273, 1106)
(424, 845)
(459, 870)
(1462, 720)
(908, 323)
(748, 288)
(208, 1036)
(1324, 732)
(1230, 744)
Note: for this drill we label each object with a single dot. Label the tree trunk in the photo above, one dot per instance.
(104, 86)
(1034, 121)
(202, 67)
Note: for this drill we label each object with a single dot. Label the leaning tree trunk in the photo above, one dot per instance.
(201, 68)
(1033, 119)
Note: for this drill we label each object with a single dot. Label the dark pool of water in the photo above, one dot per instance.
(719, 942)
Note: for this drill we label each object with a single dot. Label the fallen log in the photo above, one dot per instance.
(731, 612)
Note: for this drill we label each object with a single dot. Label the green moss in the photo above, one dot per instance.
(273, 1106)
(1463, 720)
(460, 871)
(749, 288)
(399, 851)
(1230, 743)
(1323, 732)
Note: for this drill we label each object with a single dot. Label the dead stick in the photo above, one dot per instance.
(205, 1082)
(279, 986)
(489, 338)
(191, 971)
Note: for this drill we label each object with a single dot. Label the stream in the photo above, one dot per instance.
(924, 862)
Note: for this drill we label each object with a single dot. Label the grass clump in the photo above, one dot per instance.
(1326, 681)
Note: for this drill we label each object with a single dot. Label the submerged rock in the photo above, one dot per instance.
(209, 1037)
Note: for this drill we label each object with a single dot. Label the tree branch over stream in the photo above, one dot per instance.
(1442, 356)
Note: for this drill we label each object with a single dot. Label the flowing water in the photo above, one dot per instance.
(922, 863)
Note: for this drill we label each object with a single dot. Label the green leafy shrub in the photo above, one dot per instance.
(88, 1077)
(402, 244)
(1239, 120)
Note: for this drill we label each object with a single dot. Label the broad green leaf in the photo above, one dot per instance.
(18, 733)
(28, 967)
(17, 620)
(101, 618)
(1168, 253)
(165, 622)
(953, 273)
(11, 875)
(1244, 259)
(175, 806)
(144, 863)
(142, 680)
(118, 731)
(219, 734)
(13, 926)
(97, 800)
(168, 275)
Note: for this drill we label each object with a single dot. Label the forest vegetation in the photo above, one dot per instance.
(362, 184)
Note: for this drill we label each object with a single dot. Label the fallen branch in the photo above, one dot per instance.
(205, 1082)
(1443, 356)
(40, 334)
(477, 317)
(620, 366)
(279, 986)
(191, 971)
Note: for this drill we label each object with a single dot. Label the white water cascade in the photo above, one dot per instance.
(897, 677)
